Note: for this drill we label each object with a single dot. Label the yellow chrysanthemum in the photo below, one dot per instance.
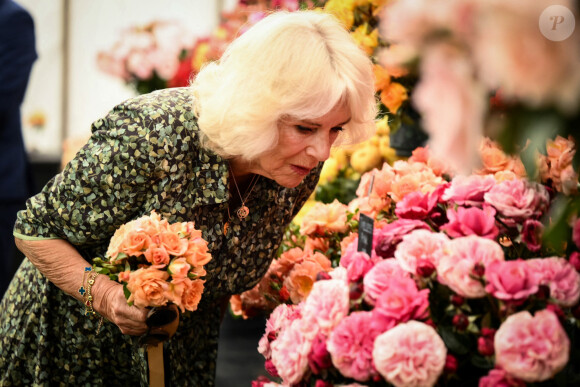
(368, 42)
(343, 10)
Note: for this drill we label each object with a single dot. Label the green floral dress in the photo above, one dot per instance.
(143, 156)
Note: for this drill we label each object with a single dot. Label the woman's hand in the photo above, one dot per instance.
(110, 302)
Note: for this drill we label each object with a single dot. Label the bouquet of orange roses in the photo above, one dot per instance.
(158, 263)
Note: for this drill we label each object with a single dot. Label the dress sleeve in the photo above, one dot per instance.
(101, 188)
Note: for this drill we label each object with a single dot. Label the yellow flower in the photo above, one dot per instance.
(329, 171)
(343, 10)
(394, 96)
(304, 210)
(382, 127)
(368, 42)
(366, 158)
(200, 56)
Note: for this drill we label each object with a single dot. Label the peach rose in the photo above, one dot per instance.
(381, 182)
(174, 245)
(157, 255)
(303, 275)
(324, 218)
(135, 243)
(192, 294)
(312, 244)
(196, 252)
(148, 287)
(117, 241)
(178, 268)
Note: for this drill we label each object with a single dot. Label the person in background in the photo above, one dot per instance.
(17, 54)
(238, 153)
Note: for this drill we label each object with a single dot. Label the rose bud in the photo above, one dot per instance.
(271, 368)
(323, 383)
(425, 268)
(557, 310)
(385, 248)
(450, 364)
(356, 291)
(322, 275)
(575, 260)
(284, 294)
(460, 321)
(485, 346)
(457, 300)
(478, 270)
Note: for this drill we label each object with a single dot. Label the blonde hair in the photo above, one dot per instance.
(298, 64)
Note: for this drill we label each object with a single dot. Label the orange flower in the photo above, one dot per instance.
(324, 218)
(178, 268)
(156, 255)
(382, 77)
(311, 244)
(197, 252)
(174, 245)
(394, 96)
(148, 287)
(301, 278)
(135, 243)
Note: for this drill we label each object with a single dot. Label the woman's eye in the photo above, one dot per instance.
(304, 129)
(337, 129)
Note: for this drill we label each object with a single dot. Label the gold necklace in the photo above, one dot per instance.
(243, 211)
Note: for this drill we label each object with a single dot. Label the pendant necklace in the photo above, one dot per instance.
(243, 211)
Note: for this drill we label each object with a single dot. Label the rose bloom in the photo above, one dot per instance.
(416, 205)
(412, 177)
(156, 255)
(281, 317)
(325, 218)
(197, 253)
(532, 349)
(319, 357)
(368, 205)
(381, 182)
(148, 287)
(135, 243)
(290, 352)
(419, 245)
(387, 237)
(499, 378)
(402, 301)
(117, 241)
(471, 221)
(303, 275)
(281, 266)
(532, 234)
(468, 190)
(326, 305)
(494, 160)
(410, 354)
(186, 293)
(424, 155)
(174, 245)
(560, 276)
(312, 244)
(459, 258)
(511, 280)
(377, 279)
(178, 268)
(351, 345)
(356, 263)
(518, 200)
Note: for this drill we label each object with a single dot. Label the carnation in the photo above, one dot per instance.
(410, 354)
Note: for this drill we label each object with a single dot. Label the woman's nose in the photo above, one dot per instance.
(319, 148)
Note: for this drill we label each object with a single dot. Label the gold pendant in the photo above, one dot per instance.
(243, 212)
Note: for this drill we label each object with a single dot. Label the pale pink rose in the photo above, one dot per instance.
(419, 245)
(468, 190)
(377, 279)
(148, 287)
(281, 317)
(532, 234)
(117, 241)
(452, 105)
(387, 237)
(511, 280)
(518, 200)
(157, 255)
(402, 300)
(325, 218)
(340, 274)
(459, 258)
(410, 354)
(560, 276)
(290, 352)
(471, 221)
(178, 268)
(416, 205)
(351, 345)
(356, 263)
(576, 233)
(326, 306)
(532, 349)
(138, 65)
(300, 279)
(499, 378)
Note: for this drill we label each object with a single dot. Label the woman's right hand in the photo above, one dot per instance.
(110, 302)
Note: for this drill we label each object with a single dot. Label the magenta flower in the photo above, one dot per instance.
(416, 205)
(386, 239)
(511, 280)
(356, 263)
(499, 378)
(532, 234)
(576, 233)
(471, 221)
(319, 357)
(529, 348)
(351, 346)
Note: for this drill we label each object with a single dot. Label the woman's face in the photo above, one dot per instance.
(301, 146)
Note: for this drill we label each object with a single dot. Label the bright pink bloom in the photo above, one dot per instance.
(377, 279)
(532, 234)
(402, 301)
(471, 221)
(351, 345)
(386, 239)
(499, 378)
(574, 261)
(461, 255)
(279, 319)
(517, 200)
(410, 354)
(532, 349)
(319, 357)
(511, 280)
(576, 233)
(468, 190)
(560, 276)
(420, 245)
(326, 305)
(357, 263)
(416, 205)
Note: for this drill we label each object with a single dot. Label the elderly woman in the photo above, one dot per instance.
(238, 153)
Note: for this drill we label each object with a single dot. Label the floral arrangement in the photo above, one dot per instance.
(462, 287)
(148, 57)
(157, 262)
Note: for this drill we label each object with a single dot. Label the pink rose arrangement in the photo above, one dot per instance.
(461, 286)
(157, 262)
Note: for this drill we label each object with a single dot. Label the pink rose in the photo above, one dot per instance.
(532, 349)
(560, 276)
(290, 352)
(460, 257)
(402, 301)
(576, 233)
(356, 263)
(517, 200)
(148, 287)
(351, 345)
(279, 319)
(499, 378)
(416, 205)
(418, 246)
(574, 260)
(377, 279)
(410, 354)
(319, 357)
(326, 306)
(511, 280)
(386, 238)
(468, 190)
(532, 234)
(471, 221)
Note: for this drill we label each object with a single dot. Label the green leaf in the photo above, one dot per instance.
(456, 342)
